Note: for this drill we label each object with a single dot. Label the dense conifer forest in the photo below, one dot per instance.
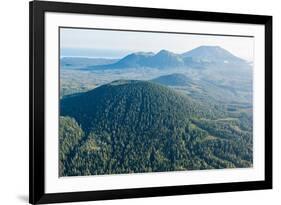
(133, 126)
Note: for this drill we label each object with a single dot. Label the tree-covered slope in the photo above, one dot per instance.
(141, 104)
(174, 79)
(70, 135)
(140, 126)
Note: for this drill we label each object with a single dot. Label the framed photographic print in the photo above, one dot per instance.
(140, 102)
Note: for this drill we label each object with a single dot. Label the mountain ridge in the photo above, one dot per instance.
(199, 57)
(211, 53)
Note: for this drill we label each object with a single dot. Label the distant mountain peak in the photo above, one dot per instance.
(164, 52)
(144, 53)
(207, 46)
(210, 48)
(211, 54)
(200, 57)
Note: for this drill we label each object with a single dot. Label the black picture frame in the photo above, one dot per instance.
(37, 11)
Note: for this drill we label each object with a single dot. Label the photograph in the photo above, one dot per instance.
(135, 102)
(132, 102)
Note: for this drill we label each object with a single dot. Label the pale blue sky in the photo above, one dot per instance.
(124, 42)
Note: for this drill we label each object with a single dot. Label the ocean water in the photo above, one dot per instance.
(93, 53)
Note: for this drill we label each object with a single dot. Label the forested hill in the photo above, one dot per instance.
(140, 126)
(141, 105)
(174, 79)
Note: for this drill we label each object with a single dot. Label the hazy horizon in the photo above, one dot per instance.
(110, 54)
(93, 43)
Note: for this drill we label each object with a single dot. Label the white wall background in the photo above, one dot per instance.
(14, 100)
